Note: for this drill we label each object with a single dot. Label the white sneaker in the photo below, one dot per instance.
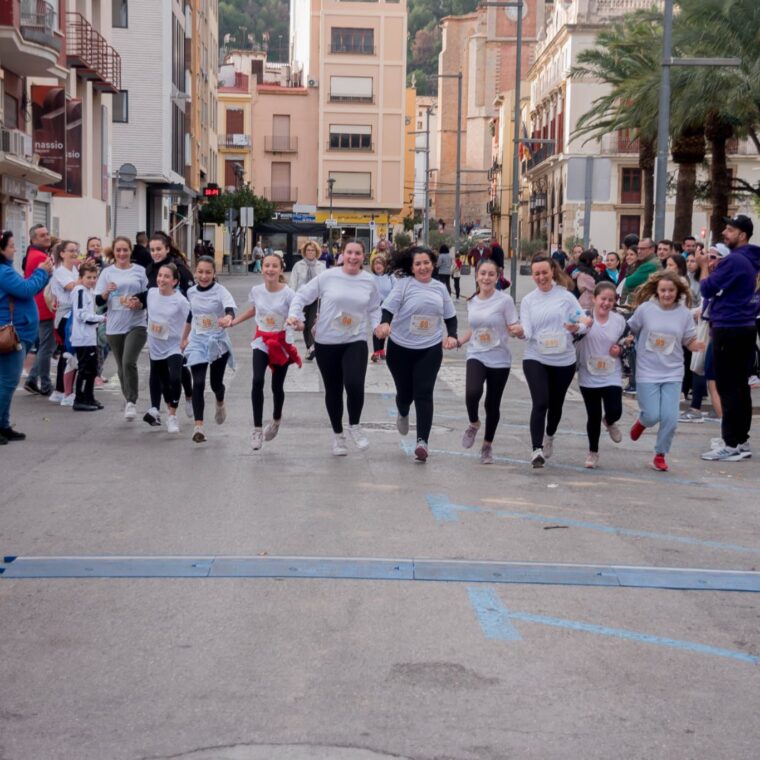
(716, 443)
(592, 460)
(726, 454)
(538, 459)
(189, 408)
(358, 437)
(548, 448)
(339, 445)
(221, 413)
(271, 430)
(754, 381)
(130, 411)
(402, 424)
(198, 435)
(172, 425)
(56, 397)
(614, 432)
(745, 448)
(68, 400)
(257, 439)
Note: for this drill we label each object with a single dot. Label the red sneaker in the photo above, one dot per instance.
(659, 463)
(637, 430)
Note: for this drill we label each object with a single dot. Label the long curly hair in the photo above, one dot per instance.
(403, 259)
(649, 289)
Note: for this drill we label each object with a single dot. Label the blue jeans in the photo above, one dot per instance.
(40, 372)
(659, 402)
(11, 366)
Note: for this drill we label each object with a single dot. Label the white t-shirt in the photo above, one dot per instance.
(349, 304)
(384, 283)
(84, 320)
(488, 319)
(596, 368)
(129, 282)
(418, 309)
(208, 306)
(167, 316)
(660, 337)
(61, 278)
(271, 310)
(543, 317)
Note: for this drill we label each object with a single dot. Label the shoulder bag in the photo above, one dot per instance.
(9, 340)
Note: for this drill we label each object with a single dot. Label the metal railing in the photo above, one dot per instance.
(37, 23)
(88, 50)
(352, 49)
(352, 148)
(280, 144)
(540, 155)
(235, 140)
(369, 99)
(349, 192)
(281, 193)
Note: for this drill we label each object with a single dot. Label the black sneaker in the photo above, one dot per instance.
(82, 406)
(3, 441)
(32, 387)
(12, 435)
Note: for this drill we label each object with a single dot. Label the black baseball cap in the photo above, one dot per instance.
(740, 222)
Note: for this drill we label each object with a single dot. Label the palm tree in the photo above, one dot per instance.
(688, 151)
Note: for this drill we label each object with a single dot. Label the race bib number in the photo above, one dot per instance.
(661, 343)
(204, 323)
(158, 330)
(114, 302)
(552, 342)
(347, 324)
(600, 365)
(423, 324)
(271, 322)
(484, 339)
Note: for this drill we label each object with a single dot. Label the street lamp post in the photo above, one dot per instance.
(330, 184)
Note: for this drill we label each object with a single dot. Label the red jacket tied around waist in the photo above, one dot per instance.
(279, 351)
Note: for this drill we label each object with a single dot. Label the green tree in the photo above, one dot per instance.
(214, 211)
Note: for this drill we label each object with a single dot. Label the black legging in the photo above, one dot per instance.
(455, 280)
(310, 317)
(446, 280)
(87, 360)
(62, 361)
(611, 396)
(169, 374)
(154, 384)
(378, 344)
(414, 372)
(548, 388)
(216, 379)
(495, 380)
(343, 365)
(260, 364)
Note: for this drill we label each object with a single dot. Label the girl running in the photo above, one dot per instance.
(550, 315)
(492, 317)
(662, 326)
(419, 307)
(121, 288)
(349, 304)
(65, 279)
(304, 271)
(167, 315)
(384, 283)
(205, 341)
(600, 371)
(270, 303)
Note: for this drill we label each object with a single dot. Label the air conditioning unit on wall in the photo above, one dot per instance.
(313, 82)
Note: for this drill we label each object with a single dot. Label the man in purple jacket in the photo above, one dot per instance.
(731, 288)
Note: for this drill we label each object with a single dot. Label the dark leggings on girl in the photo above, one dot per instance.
(169, 374)
(260, 364)
(154, 383)
(62, 361)
(495, 380)
(343, 366)
(611, 397)
(548, 388)
(216, 378)
(414, 372)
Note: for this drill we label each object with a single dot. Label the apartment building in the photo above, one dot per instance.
(153, 147)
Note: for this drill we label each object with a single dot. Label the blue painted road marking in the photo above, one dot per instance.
(494, 619)
(444, 511)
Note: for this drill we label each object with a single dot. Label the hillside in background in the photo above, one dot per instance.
(260, 24)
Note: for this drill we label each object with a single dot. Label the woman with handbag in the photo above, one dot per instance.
(18, 326)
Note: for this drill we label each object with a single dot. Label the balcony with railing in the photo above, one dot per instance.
(619, 142)
(236, 141)
(38, 23)
(89, 53)
(360, 49)
(351, 146)
(30, 40)
(280, 144)
(540, 154)
(281, 193)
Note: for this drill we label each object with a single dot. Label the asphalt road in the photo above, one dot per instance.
(245, 668)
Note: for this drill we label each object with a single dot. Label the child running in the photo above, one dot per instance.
(167, 315)
(662, 326)
(205, 341)
(84, 337)
(493, 318)
(600, 371)
(270, 303)
(384, 283)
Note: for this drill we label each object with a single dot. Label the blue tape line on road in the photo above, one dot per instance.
(444, 511)
(492, 615)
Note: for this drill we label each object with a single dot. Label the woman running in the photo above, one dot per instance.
(600, 371)
(419, 307)
(663, 326)
(304, 271)
(206, 343)
(492, 317)
(65, 279)
(270, 303)
(167, 315)
(349, 304)
(384, 283)
(550, 315)
(121, 288)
